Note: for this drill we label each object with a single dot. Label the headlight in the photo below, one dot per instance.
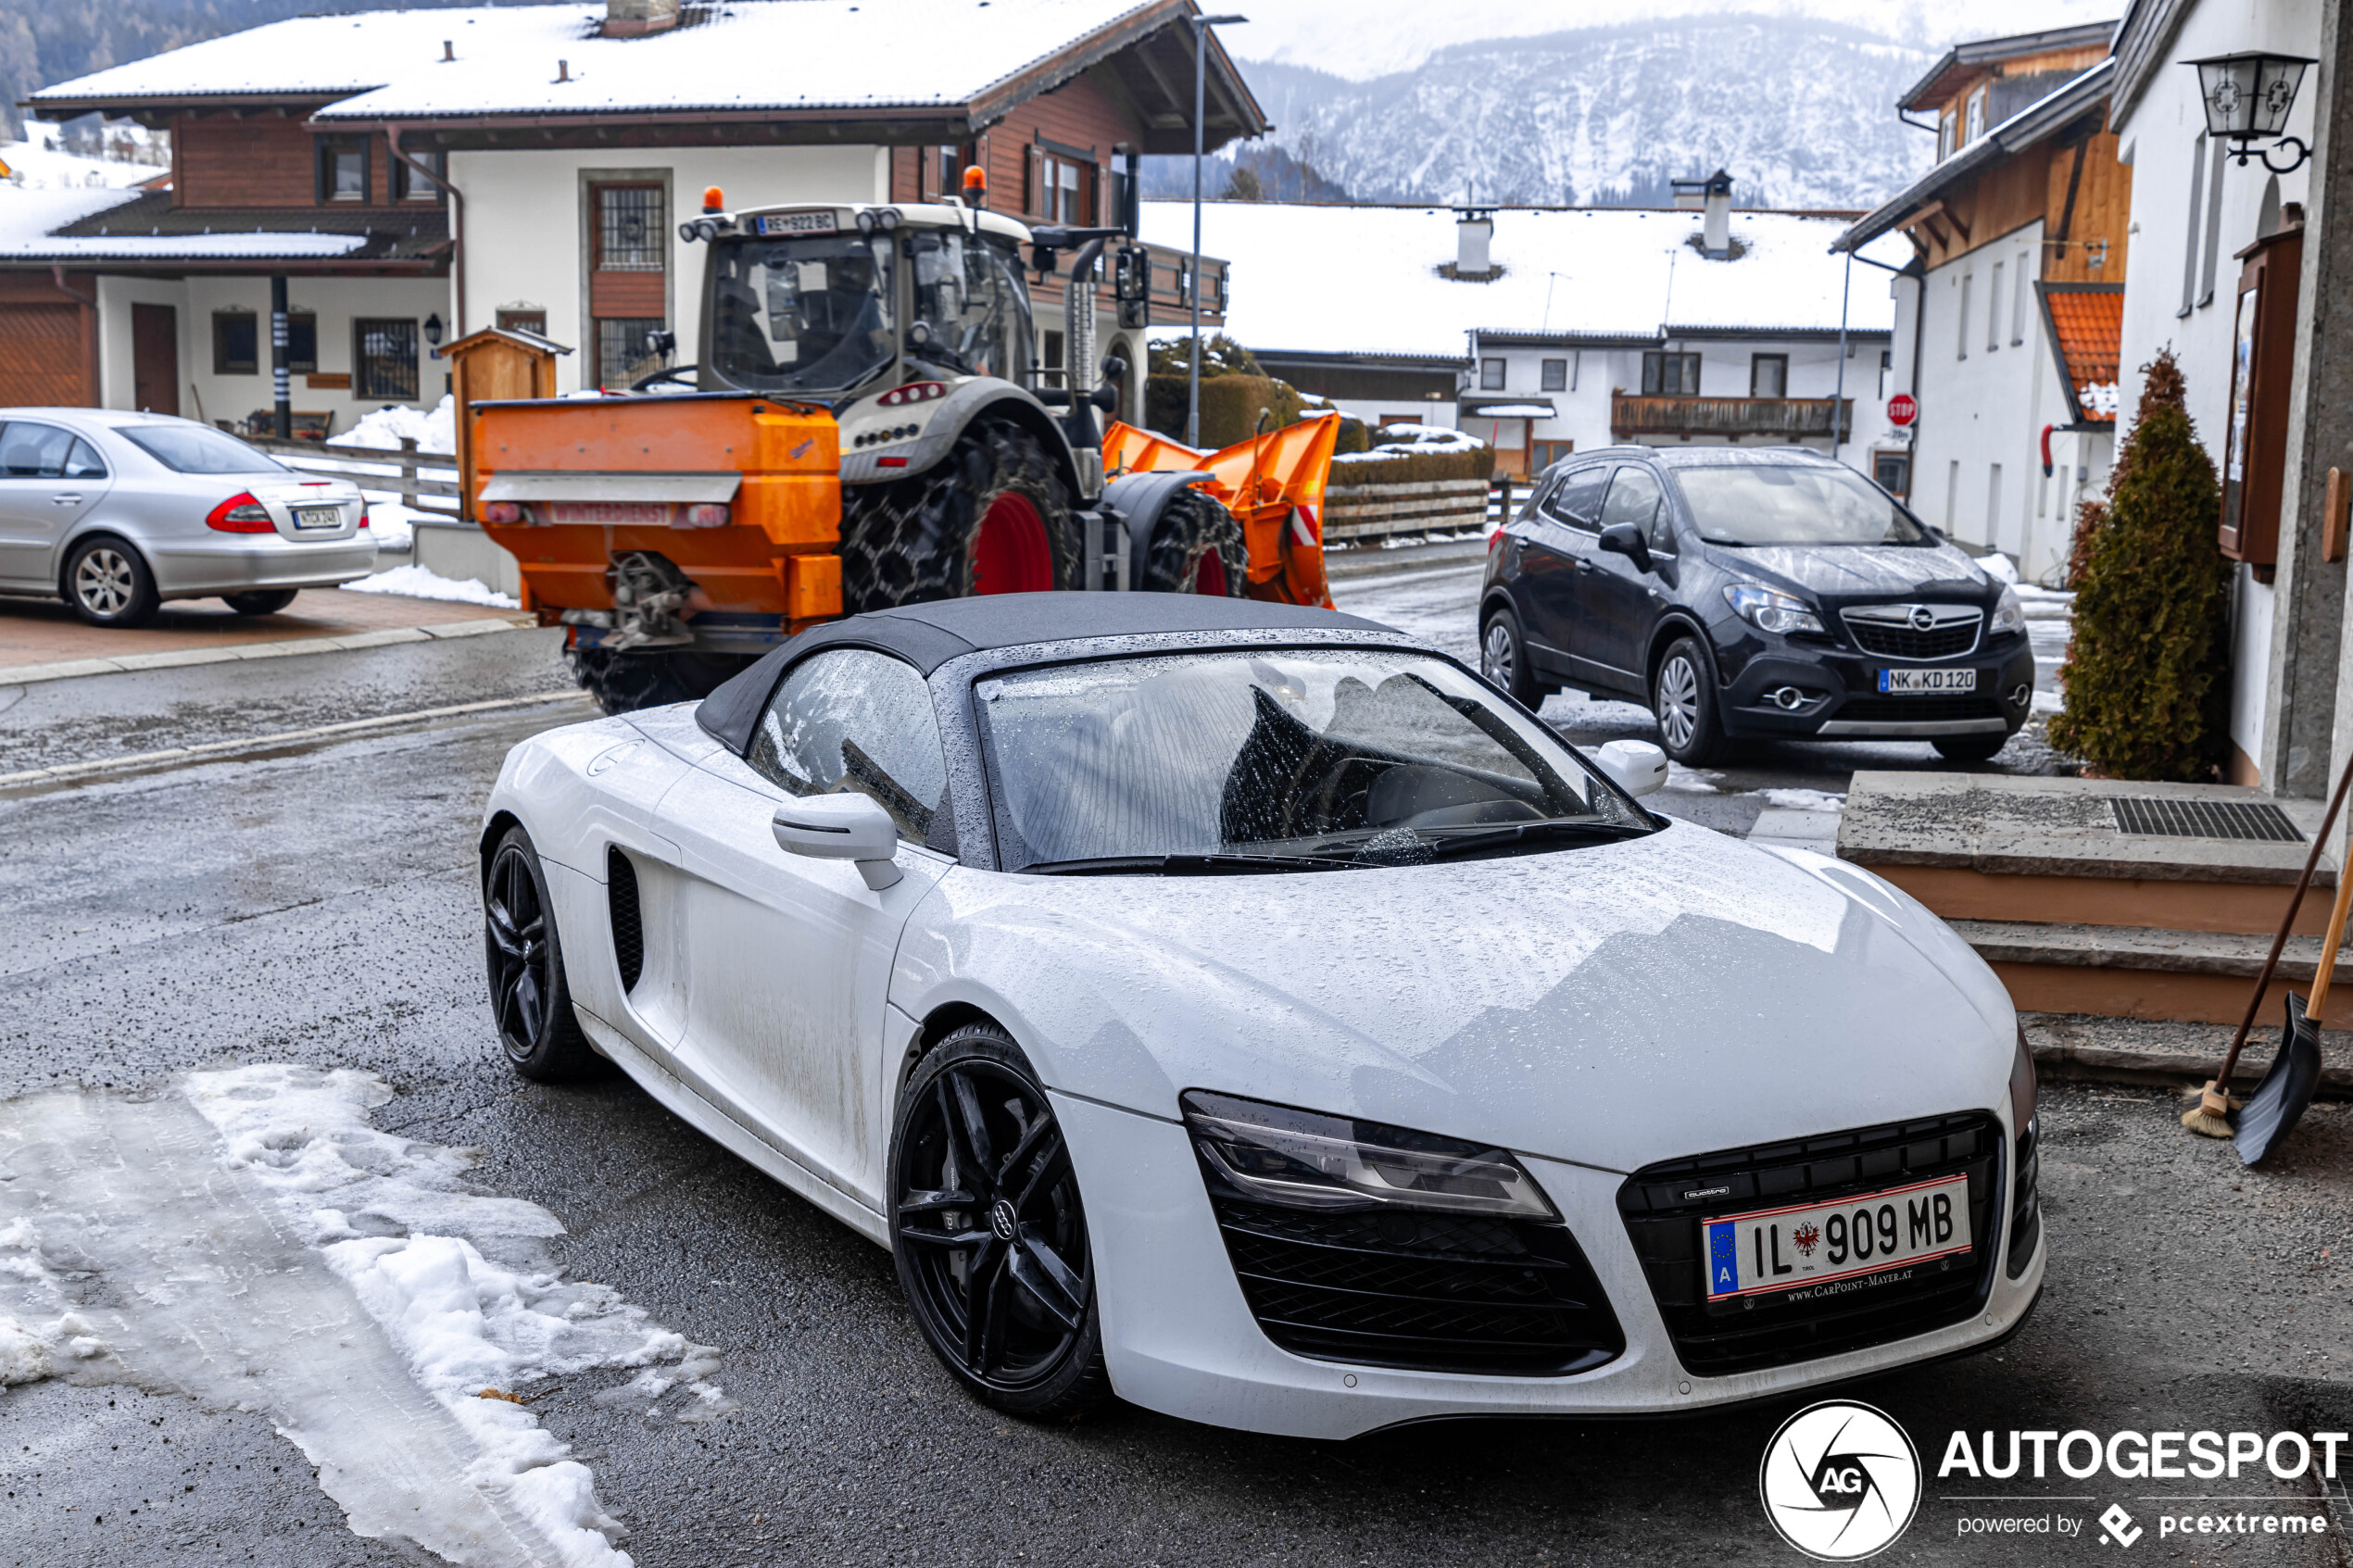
(1771, 611)
(1299, 1160)
(2022, 1088)
(2008, 614)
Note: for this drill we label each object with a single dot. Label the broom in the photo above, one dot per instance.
(2210, 1116)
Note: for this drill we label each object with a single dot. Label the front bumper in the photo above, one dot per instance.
(1179, 1338)
(1843, 697)
(236, 563)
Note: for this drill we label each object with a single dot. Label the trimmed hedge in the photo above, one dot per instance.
(1229, 407)
(1416, 468)
(2145, 693)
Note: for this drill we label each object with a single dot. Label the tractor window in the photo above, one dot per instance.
(971, 311)
(800, 315)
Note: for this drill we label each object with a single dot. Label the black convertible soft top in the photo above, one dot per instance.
(928, 635)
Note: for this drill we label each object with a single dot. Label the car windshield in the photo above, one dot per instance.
(1276, 759)
(193, 448)
(1773, 504)
(811, 314)
(972, 313)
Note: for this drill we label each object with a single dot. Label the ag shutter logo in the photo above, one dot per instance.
(1839, 1481)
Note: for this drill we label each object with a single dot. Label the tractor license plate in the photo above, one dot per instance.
(1928, 679)
(318, 517)
(1805, 1247)
(611, 514)
(798, 224)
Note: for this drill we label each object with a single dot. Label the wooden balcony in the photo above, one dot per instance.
(1726, 419)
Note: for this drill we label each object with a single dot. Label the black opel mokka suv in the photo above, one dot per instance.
(1751, 594)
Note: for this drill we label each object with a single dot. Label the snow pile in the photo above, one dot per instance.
(416, 583)
(1411, 440)
(1998, 567)
(397, 1221)
(29, 1348)
(2099, 398)
(385, 428)
(1804, 799)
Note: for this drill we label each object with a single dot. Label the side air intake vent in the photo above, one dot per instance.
(628, 930)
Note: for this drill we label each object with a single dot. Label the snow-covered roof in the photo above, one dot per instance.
(1366, 280)
(750, 55)
(29, 222)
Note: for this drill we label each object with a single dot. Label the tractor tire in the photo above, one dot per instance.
(994, 517)
(1197, 548)
(623, 683)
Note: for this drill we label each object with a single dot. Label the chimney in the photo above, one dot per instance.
(636, 19)
(1711, 197)
(1474, 227)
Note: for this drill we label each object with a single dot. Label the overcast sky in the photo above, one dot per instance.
(1362, 38)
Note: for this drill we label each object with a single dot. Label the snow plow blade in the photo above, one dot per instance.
(1274, 485)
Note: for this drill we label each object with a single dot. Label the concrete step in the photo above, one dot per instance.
(1983, 847)
(2125, 971)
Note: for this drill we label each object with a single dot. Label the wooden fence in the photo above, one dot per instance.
(1360, 513)
(403, 472)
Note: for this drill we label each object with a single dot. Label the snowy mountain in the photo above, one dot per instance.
(1801, 111)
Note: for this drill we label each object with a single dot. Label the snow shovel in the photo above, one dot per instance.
(2280, 1099)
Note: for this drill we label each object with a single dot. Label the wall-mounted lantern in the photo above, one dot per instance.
(2247, 97)
(433, 330)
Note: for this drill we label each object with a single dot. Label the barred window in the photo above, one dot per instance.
(384, 360)
(629, 229)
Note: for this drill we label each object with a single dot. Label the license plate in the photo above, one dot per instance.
(318, 517)
(1928, 679)
(798, 224)
(1809, 1245)
(611, 514)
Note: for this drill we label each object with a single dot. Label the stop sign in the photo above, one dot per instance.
(1902, 410)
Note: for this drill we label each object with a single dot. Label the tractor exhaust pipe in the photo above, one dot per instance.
(1078, 355)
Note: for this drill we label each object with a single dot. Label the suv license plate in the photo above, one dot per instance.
(1813, 1243)
(1928, 679)
(318, 517)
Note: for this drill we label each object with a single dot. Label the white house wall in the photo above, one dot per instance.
(1582, 408)
(333, 302)
(525, 219)
(2159, 140)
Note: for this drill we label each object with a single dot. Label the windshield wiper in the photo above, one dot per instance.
(1523, 832)
(1185, 865)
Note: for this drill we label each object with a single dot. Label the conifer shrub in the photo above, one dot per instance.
(2145, 672)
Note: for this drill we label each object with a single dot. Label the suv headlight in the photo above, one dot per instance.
(1769, 610)
(1300, 1159)
(2008, 614)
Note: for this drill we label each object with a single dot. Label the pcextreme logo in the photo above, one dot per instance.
(1839, 1481)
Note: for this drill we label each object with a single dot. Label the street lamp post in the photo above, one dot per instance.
(1192, 278)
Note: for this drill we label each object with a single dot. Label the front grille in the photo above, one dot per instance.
(1887, 630)
(2159, 816)
(628, 928)
(1751, 1332)
(1918, 709)
(1425, 1292)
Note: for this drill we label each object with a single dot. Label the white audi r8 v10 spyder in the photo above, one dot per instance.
(1250, 1011)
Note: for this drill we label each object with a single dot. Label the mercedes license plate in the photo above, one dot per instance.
(1806, 1246)
(318, 517)
(798, 224)
(1928, 679)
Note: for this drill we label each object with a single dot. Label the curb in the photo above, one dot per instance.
(2141, 1069)
(67, 669)
(1374, 561)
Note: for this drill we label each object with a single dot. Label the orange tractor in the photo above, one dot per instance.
(867, 425)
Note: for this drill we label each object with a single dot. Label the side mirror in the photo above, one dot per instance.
(1635, 765)
(1627, 540)
(841, 827)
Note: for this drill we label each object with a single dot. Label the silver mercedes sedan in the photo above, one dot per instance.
(115, 512)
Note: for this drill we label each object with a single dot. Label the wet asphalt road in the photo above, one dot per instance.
(316, 904)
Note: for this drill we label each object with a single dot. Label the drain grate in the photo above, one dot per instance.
(2205, 819)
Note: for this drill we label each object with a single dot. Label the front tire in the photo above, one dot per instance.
(260, 601)
(988, 1231)
(1197, 548)
(624, 682)
(109, 584)
(993, 517)
(529, 1002)
(1972, 748)
(1684, 699)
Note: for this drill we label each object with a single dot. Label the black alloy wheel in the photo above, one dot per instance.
(987, 1230)
(529, 998)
